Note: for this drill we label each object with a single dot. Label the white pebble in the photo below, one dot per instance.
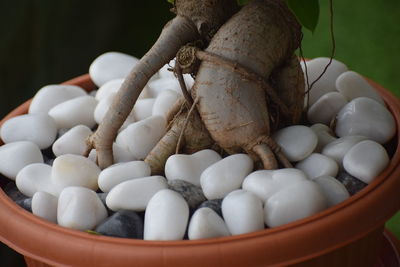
(297, 142)
(163, 103)
(104, 105)
(265, 183)
(36, 177)
(166, 216)
(135, 194)
(327, 82)
(143, 108)
(80, 208)
(366, 160)
(45, 205)
(318, 165)
(163, 84)
(72, 142)
(324, 134)
(334, 191)
(364, 116)
(16, 155)
(297, 201)
(110, 66)
(338, 148)
(121, 172)
(75, 170)
(206, 223)
(190, 167)
(140, 137)
(326, 108)
(110, 87)
(353, 85)
(51, 95)
(164, 72)
(122, 154)
(226, 175)
(39, 128)
(73, 112)
(242, 212)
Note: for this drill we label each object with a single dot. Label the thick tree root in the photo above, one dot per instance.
(175, 34)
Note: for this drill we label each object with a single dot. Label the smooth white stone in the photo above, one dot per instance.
(103, 106)
(143, 108)
(135, 194)
(294, 202)
(297, 142)
(72, 142)
(75, 170)
(163, 103)
(93, 93)
(110, 66)
(242, 212)
(326, 108)
(166, 216)
(364, 116)
(38, 128)
(327, 82)
(45, 205)
(140, 137)
(120, 172)
(334, 191)
(110, 87)
(74, 112)
(120, 153)
(80, 208)
(36, 177)
(190, 167)
(318, 165)
(226, 175)
(160, 85)
(353, 85)
(366, 160)
(324, 134)
(206, 223)
(51, 95)
(338, 148)
(164, 72)
(16, 155)
(265, 183)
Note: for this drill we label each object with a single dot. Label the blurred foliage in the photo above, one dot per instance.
(46, 41)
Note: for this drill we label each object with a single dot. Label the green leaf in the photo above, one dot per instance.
(306, 11)
(242, 2)
(171, 1)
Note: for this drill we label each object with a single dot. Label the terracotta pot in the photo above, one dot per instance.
(348, 234)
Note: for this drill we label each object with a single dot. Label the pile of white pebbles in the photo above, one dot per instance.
(201, 195)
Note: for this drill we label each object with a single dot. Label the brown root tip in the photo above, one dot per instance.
(278, 152)
(266, 155)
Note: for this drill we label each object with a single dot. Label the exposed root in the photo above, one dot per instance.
(278, 152)
(192, 108)
(188, 97)
(266, 155)
(164, 148)
(247, 74)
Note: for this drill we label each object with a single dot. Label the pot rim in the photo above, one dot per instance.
(16, 224)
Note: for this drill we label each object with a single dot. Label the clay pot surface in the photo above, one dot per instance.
(347, 234)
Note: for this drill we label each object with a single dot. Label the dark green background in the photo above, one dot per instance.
(49, 41)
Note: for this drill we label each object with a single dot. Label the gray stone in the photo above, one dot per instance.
(191, 193)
